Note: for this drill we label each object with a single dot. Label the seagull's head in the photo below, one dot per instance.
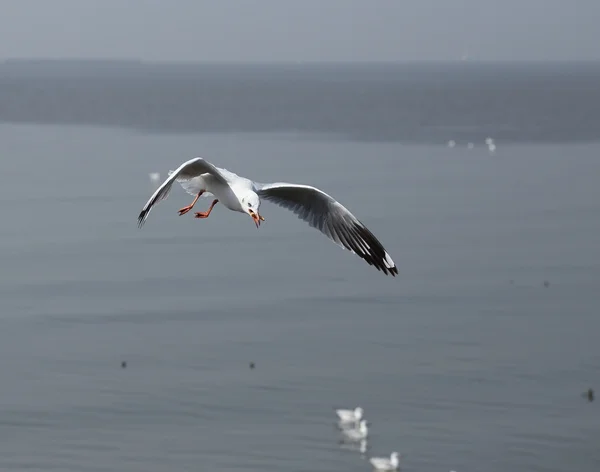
(251, 205)
(358, 412)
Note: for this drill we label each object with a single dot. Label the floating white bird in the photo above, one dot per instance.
(154, 177)
(383, 463)
(350, 416)
(357, 434)
(451, 143)
(199, 177)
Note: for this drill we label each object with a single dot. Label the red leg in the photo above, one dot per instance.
(184, 210)
(204, 214)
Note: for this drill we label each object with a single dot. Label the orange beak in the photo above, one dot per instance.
(257, 218)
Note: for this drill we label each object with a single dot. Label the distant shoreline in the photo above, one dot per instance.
(140, 62)
(424, 102)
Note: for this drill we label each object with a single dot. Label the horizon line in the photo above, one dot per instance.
(14, 60)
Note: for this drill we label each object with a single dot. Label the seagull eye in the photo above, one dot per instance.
(249, 205)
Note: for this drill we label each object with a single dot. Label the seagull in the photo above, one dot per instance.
(349, 416)
(199, 177)
(383, 463)
(154, 177)
(357, 434)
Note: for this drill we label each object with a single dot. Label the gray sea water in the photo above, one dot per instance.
(466, 361)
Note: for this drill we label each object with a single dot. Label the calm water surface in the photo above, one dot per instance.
(464, 362)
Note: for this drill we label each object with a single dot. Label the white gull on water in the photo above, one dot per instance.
(383, 463)
(348, 416)
(357, 434)
(199, 177)
(154, 177)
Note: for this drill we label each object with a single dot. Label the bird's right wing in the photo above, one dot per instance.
(187, 170)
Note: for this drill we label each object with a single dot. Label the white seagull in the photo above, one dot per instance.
(350, 416)
(357, 434)
(383, 463)
(154, 177)
(199, 177)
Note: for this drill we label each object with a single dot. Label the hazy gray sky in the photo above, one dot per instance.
(285, 30)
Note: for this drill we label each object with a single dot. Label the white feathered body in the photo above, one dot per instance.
(226, 194)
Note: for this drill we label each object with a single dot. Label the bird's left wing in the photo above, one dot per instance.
(187, 170)
(324, 213)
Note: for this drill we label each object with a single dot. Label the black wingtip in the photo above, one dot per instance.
(375, 254)
(142, 218)
(393, 271)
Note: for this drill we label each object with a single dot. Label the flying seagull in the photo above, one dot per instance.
(199, 177)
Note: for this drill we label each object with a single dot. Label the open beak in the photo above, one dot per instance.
(257, 218)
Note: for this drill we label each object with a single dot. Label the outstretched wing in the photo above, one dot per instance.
(187, 170)
(324, 213)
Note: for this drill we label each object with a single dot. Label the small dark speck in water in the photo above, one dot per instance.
(589, 394)
(252, 365)
(546, 283)
(123, 364)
